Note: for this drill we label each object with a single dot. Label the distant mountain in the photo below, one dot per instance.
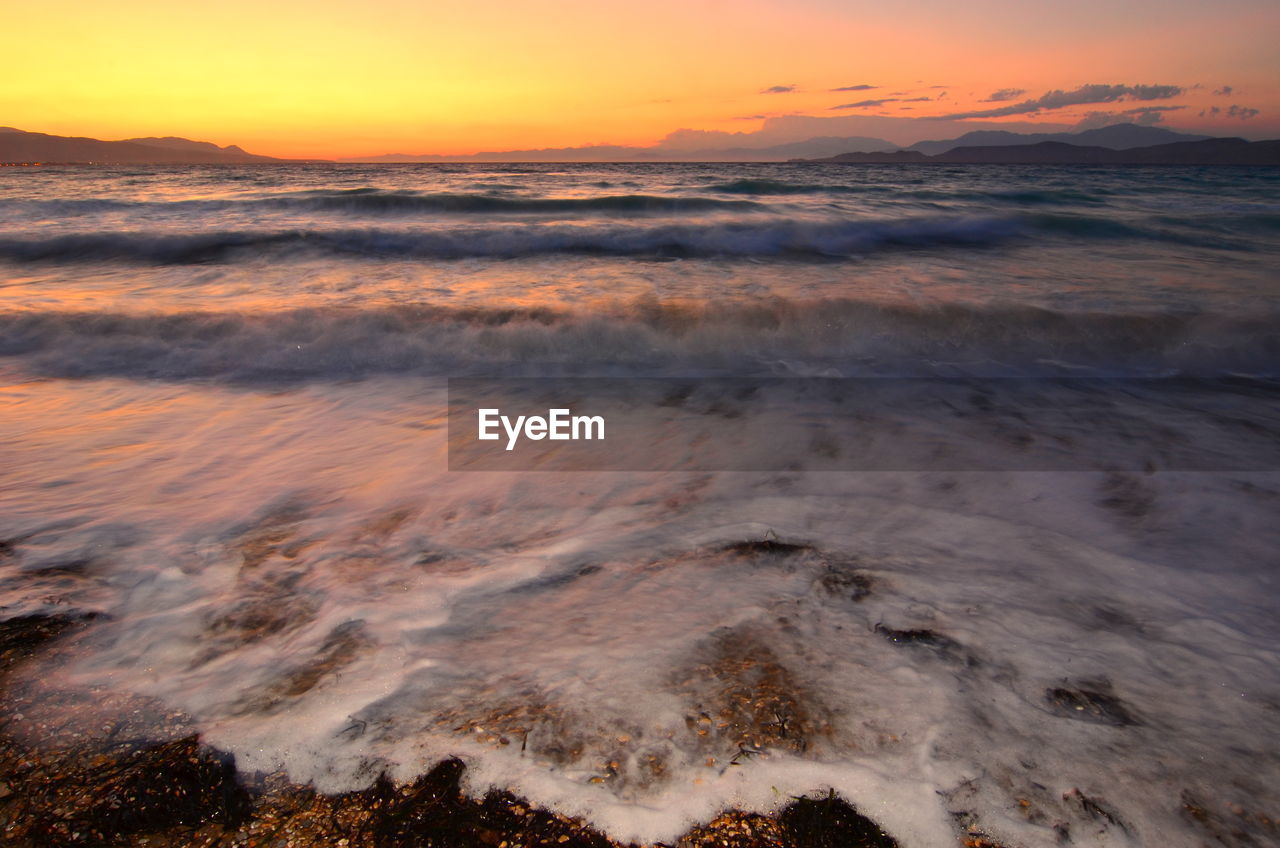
(821, 146)
(172, 142)
(1115, 137)
(1213, 151)
(19, 146)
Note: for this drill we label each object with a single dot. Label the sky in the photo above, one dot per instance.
(329, 79)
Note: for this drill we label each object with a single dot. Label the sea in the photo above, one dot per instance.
(225, 431)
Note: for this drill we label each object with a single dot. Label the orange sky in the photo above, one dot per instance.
(330, 79)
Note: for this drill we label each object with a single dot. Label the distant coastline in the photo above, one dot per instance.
(1214, 151)
(1117, 144)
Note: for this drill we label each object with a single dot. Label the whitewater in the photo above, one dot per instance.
(225, 428)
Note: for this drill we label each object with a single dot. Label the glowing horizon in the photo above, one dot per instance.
(325, 80)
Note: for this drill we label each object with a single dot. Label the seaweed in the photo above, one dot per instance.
(1096, 809)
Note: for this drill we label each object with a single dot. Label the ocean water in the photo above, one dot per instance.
(224, 424)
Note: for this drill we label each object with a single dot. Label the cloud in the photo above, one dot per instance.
(1225, 91)
(1005, 94)
(778, 89)
(1244, 113)
(1085, 94)
(1144, 116)
(862, 104)
(750, 117)
(863, 87)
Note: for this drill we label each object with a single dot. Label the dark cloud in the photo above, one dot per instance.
(862, 104)
(863, 87)
(1005, 94)
(750, 117)
(1244, 113)
(1225, 91)
(1085, 94)
(778, 89)
(1143, 116)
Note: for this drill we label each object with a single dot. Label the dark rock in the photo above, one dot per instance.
(1089, 705)
(21, 637)
(141, 789)
(854, 584)
(768, 547)
(830, 823)
(433, 813)
(943, 646)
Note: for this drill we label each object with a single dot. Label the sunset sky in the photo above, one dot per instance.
(308, 78)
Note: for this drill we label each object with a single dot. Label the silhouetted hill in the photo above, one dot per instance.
(19, 146)
(174, 143)
(1213, 151)
(1116, 137)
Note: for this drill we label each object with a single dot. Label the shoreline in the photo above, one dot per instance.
(149, 780)
(145, 778)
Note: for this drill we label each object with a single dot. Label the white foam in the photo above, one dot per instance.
(298, 572)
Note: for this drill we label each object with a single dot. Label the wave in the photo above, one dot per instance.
(368, 201)
(772, 237)
(646, 337)
(757, 235)
(1018, 197)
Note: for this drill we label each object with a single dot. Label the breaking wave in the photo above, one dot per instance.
(799, 238)
(371, 201)
(645, 337)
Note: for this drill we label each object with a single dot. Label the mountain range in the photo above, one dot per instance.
(1209, 151)
(1116, 144)
(1116, 137)
(19, 146)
